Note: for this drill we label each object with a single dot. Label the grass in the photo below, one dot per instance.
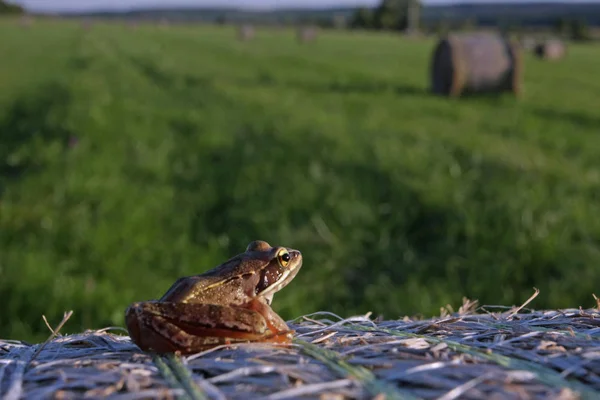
(190, 144)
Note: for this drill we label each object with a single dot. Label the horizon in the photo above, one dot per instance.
(115, 5)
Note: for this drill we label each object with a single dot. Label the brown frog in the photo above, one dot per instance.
(226, 305)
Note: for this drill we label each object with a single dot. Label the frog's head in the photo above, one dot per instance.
(281, 264)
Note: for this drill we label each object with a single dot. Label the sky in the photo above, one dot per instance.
(78, 5)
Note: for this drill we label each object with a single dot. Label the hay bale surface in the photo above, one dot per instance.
(476, 353)
(476, 63)
(552, 49)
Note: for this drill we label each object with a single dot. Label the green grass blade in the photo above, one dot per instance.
(185, 378)
(166, 372)
(334, 361)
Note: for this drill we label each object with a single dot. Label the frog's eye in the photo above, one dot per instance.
(283, 257)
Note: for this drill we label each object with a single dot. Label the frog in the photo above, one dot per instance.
(226, 305)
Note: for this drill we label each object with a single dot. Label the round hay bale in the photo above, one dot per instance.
(476, 63)
(340, 21)
(164, 23)
(26, 21)
(552, 49)
(245, 33)
(307, 34)
(87, 24)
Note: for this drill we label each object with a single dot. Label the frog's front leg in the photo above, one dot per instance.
(275, 323)
(165, 327)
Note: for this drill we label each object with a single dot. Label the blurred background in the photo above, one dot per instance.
(415, 152)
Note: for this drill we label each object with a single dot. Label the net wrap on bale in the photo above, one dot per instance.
(476, 63)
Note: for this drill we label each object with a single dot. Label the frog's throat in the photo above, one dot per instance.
(287, 276)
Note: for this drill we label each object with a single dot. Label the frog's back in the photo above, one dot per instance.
(224, 284)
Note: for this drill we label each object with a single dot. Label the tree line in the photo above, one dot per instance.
(8, 8)
(388, 15)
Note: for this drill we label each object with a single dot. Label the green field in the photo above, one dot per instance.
(190, 144)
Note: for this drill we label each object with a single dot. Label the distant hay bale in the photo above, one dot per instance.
(245, 32)
(476, 63)
(306, 34)
(528, 43)
(26, 21)
(552, 49)
(86, 24)
(340, 21)
(163, 23)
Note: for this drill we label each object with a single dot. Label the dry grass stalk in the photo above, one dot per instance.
(479, 352)
(55, 332)
(476, 63)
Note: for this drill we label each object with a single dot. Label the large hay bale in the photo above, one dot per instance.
(552, 49)
(245, 32)
(307, 34)
(97, 362)
(476, 63)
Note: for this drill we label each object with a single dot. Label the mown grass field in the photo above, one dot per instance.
(129, 158)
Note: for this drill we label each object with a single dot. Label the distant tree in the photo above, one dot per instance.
(8, 8)
(314, 20)
(391, 15)
(510, 27)
(504, 25)
(442, 27)
(221, 19)
(324, 22)
(561, 26)
(579, 30)
(469, 24)
(388, 15)
(339, 21)
(321, 22)
(362, 19)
